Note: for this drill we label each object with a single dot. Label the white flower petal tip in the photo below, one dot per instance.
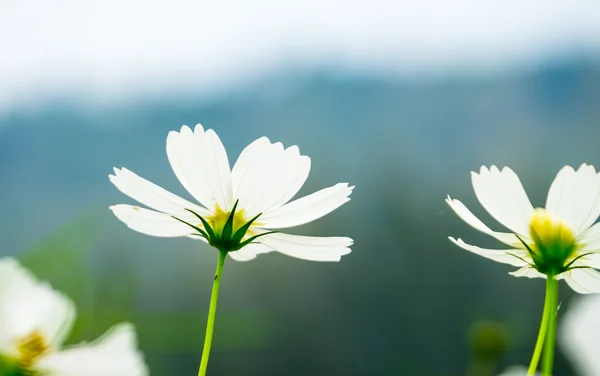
(573, 196)
(501, 193)
(493, 169)
(151, 195)
(114, 354)
(308, 208)
(515, 257)
(309, 248)
(8, 265)
(466, 215)
(151, 222)
(584, 167)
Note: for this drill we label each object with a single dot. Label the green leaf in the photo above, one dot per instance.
(209, 230)
(239, 234)
(250, 240)
(202, 232)
(228, 228)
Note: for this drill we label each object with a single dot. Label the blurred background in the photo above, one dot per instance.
(400, 98)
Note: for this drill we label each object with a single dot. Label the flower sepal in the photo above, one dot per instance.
(10, 367)
(554, 244)
(229, 236)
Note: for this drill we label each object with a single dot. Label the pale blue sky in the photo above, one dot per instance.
(112, 50)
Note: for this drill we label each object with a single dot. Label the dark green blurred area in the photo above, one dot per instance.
(404, 302)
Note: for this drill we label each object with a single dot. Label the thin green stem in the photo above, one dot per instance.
(212, 311)
(549, 346)
(539, 344)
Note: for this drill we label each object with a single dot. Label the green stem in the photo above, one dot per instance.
(212, 311)
(539, 344)
(549, 346)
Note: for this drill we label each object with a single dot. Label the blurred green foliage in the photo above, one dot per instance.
(10, 368)
(400, 304)
(61, 258)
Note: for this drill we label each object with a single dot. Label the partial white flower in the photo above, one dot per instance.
(35, 321)
(560, 240)
(579, 334)
(252, 196)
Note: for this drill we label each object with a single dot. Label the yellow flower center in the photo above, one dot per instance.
(218, 220)
(228, 231)
(553, 242)
(31, 347)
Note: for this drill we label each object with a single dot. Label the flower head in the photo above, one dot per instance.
(559, 240)
(34, 323)
(241, 209)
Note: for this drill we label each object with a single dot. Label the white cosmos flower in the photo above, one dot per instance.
(560, 240)
(579, 334)
(35, 321)
(264, 178)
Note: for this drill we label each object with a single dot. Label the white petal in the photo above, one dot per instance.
(250, 169)
(184, 153)
(591, 237)
(216, 166)
(502, 195)
(308, 208)
(153, 223)
(28, 305)
(253, 171)
(583, 281)
(515, 257)
(466, 215)
(151, 194)
(308, 247)
(282, 181)
(10, 272)
(529, 272)
(589, 260)
(296, 170)
(579, 334)
(9, 269)
(575, 196)
(249, 252)
(115, 354)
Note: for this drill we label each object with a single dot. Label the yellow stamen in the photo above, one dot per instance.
(31, 347)
(218, 220)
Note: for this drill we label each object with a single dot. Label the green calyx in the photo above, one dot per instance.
(10, 367)
(554, 248)
(226, 231)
